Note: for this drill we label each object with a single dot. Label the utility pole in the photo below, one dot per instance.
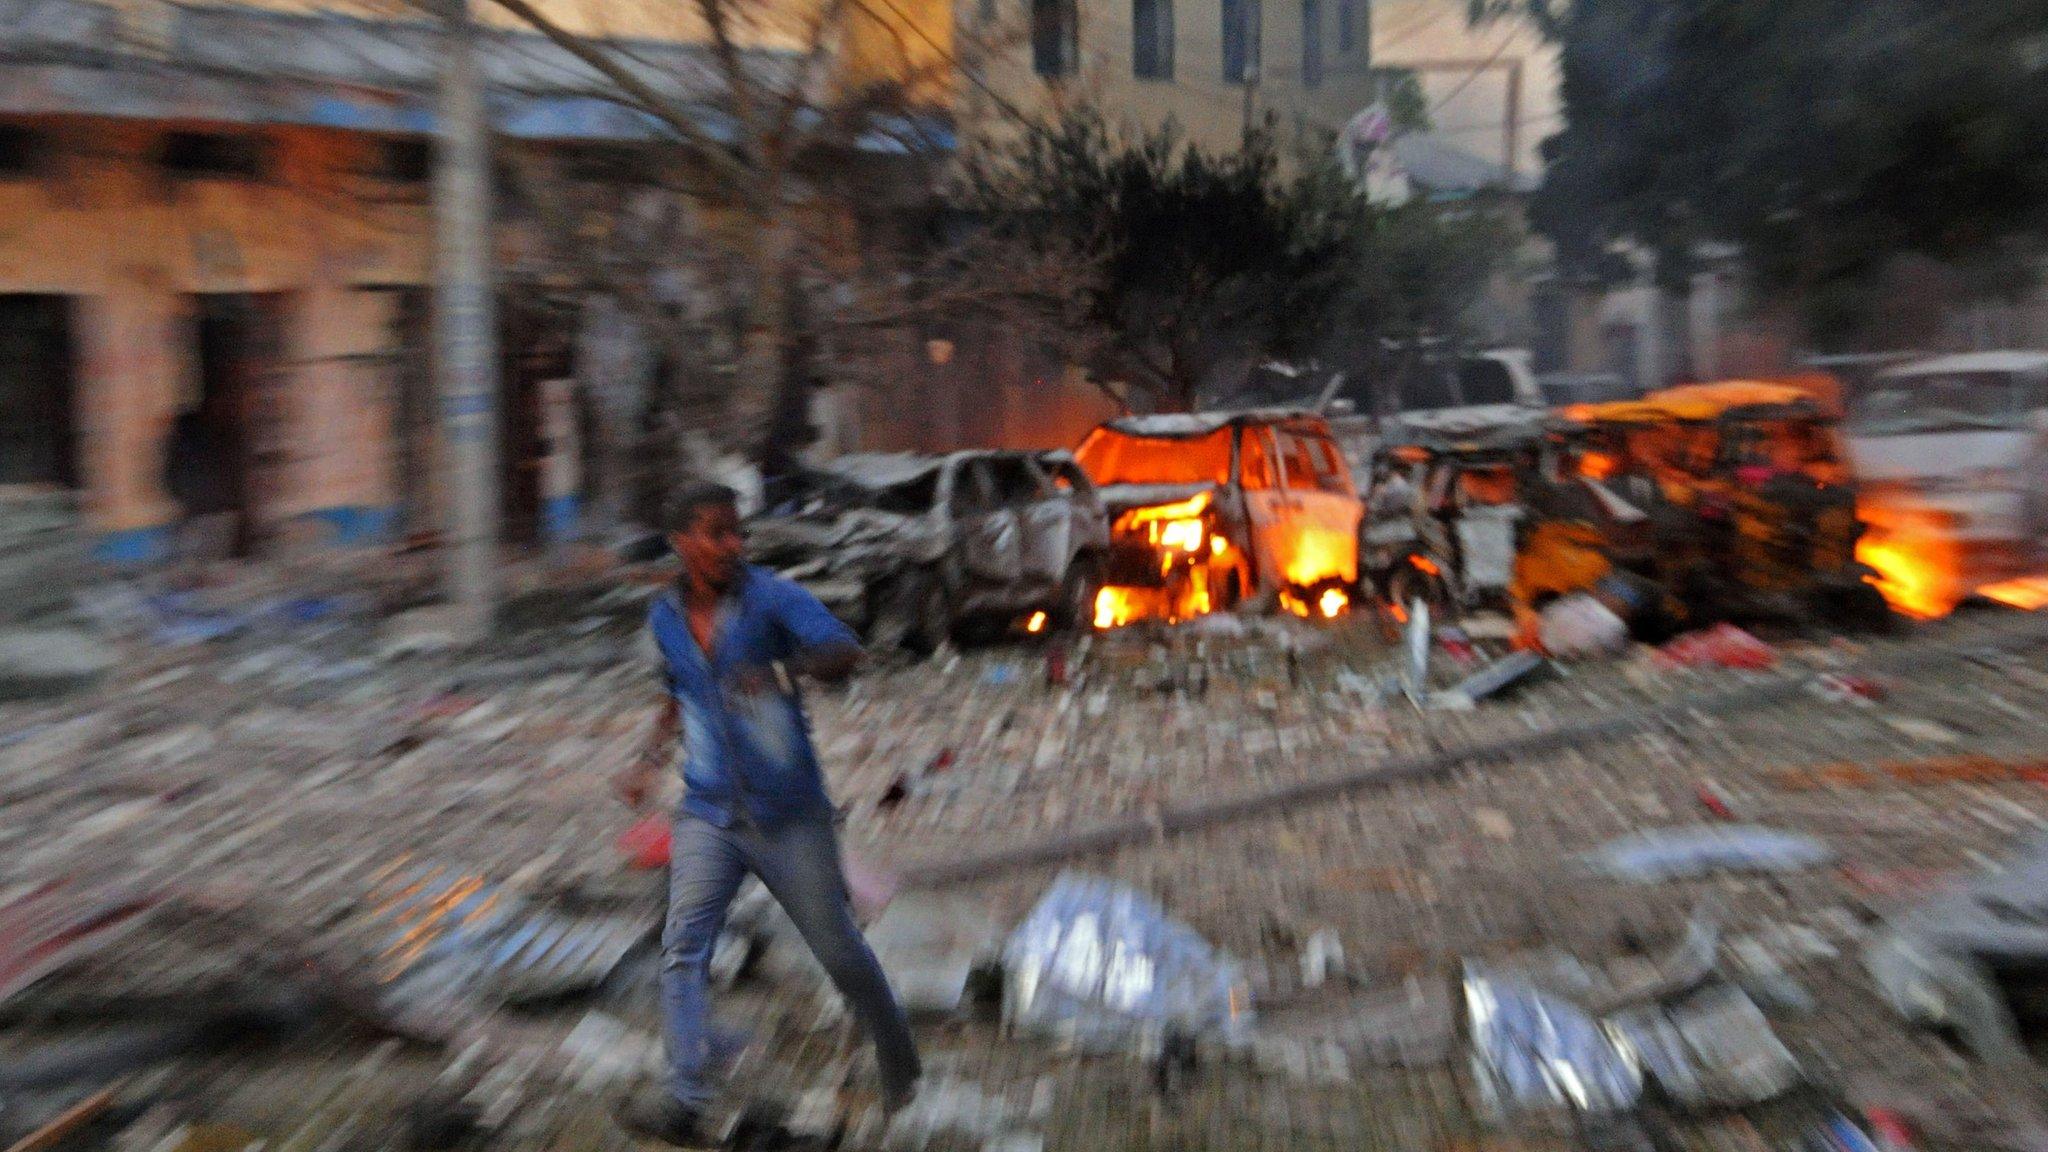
(1511, 147)
(465, 327)
(1252, 28)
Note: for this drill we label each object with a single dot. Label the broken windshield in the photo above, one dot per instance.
(1112, 457)
(1950, 402)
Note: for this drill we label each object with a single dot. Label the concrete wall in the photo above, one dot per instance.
(105, 227)
(990, 393)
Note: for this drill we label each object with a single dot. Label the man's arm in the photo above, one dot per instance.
(637, 782)
(825, 648)
(830, 662)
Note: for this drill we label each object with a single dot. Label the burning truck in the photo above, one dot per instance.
(1212, 510)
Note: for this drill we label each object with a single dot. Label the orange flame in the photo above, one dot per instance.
(1320, 554)
(1035, 623)
(1118, 605)
(1917, 568)
(1186, 509)
(1598, 465)
(2028, 593)
(1329, 604)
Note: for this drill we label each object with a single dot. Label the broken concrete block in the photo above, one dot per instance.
(1320, 957)
(1740, 1060)
(949, 1107)
(1938, 963)
(1676, 853)
(420, 632)
(1939, 989)
(1410, 1027)
(1281, 1056)
(41, 662)
(930, 946)
(816, 1114)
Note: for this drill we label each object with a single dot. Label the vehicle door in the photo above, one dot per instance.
(991, 535)
(2033, 467)
(1045, 515)
(1064, 521)
(1267, 506)
(1324, 508)
(1084, 503)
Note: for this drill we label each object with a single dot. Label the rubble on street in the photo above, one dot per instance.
(272, 876)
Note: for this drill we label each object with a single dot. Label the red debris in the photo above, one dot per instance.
(1715, 799)
(646, 844)
(1890, 1129)
(1724, 645)
(53, 925)
(1894, 883)
(1843, 687)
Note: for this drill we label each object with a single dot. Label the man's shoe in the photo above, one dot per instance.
(666, 1119)
(895, 1100)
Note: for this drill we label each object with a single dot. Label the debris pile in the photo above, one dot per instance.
(1312, 885)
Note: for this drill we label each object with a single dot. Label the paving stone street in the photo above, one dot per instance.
(220, 823)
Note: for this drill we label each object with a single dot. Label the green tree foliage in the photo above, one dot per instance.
(1200, 265)
(1407, 101)
(1825, 138)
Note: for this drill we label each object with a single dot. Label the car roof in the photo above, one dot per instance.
(878, 470)
(2016, 361)
(1697, 402)
(1186, 425)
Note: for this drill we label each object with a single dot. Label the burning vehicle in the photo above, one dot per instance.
(910, 550)
(1217, 509)
(1445, 508)
(1952, 454)
(1744, 493)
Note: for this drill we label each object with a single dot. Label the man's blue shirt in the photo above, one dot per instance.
(746, 754)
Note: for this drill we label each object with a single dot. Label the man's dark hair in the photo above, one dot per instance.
(679, 514)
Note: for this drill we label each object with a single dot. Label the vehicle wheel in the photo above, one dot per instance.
(1407, 584)
(912, 612)
(1862, 608)
(1230, 593)
(1076, 607)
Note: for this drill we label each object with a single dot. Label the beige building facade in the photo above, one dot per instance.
(229, 205)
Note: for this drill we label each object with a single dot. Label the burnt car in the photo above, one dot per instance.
(911, 550)
(1446, 504)
(1213, 509)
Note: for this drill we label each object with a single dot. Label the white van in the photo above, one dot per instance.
(1959, 445)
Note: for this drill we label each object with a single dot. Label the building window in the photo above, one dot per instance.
(1311, 43)
(403, 161)
(215, 156)
(1347, 25)
(1240, 41)
(1055, 37)
(21, 150)
(1152, 39)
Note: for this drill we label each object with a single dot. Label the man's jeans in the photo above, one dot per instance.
(798, 862)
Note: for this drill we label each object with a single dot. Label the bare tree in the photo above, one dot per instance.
(784, 216)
